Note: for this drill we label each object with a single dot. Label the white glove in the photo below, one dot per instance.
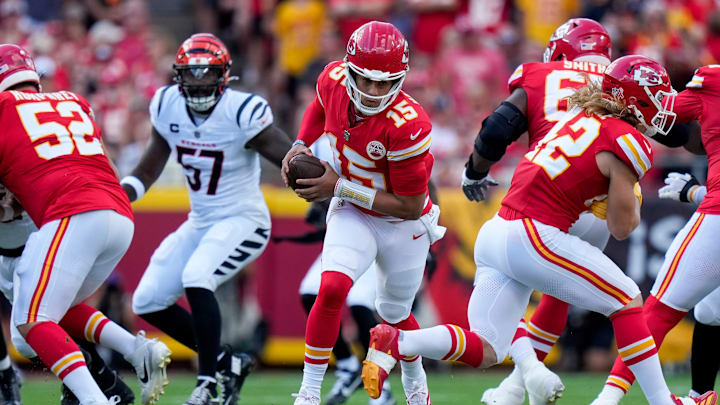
(430, 220)
(475, 189)
(682, 187)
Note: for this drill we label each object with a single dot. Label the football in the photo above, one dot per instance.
(303, 166)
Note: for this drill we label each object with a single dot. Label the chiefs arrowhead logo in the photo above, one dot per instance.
(376, 150)
(561, 31)
(645, 76)
(351, 46)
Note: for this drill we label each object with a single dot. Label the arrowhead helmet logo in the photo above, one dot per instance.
(351, 46)
(406, 53)
(646, 76)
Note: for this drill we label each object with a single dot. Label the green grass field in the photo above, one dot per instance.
(274, 388)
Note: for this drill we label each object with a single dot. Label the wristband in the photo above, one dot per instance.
(135, 184)
(299, 142)
(696, 194)
(355, 193)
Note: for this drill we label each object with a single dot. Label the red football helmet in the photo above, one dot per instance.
(376, 51)
(202, 70)
(579, 37)
(16, 66)
(644, 86)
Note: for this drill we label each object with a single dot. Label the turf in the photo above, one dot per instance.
(274, 388)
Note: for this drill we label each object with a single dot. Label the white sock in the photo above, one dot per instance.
(312, 378)
(413, 375)
(523, 354)
(611, 393)
(650, 377)
(115, 337)
(351, 363)
(81, 383)
(5, 363)
(514, 379)
(433, 343)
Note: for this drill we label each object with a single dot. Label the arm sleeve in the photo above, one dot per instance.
(313, 122)
(253, 116)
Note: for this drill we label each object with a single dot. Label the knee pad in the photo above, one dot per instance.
(143, 301)
(705, 314)
(393, 311)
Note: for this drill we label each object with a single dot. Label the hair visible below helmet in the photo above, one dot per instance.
(16, 66)
(643, 86)
(377, 51)
(579, 37)
(202, 70)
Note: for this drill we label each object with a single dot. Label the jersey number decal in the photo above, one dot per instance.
(356, 165)
(77, 135)
(194, 181)
(559, 85)
(407, 113)
(572, 140)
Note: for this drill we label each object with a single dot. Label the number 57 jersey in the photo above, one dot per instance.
(222, 173)
(559, 178)
(51, 157)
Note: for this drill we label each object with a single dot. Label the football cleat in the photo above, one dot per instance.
(381, 357)
(511, 391)
(10, 387)
(385, 398)
(347, 382)
(543, 386)
(305, 398)
(201, 395)
(115, 400)
(708, 398)
(150, 360)
(231, 378)
(419, 397)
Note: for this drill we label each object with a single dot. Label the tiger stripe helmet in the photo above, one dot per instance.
(202, 70)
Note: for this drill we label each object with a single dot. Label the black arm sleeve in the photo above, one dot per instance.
(678, 136)
(500, 129)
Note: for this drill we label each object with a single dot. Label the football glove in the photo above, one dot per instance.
(475, 184)
(682, 187)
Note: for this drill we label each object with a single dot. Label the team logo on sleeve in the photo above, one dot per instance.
(375, 150)
(645, 76)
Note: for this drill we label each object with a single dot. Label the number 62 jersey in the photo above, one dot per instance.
(222, 173)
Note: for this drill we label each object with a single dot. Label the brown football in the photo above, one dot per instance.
(303, 166)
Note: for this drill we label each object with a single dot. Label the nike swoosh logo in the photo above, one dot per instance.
(144, 379)
(418, 236)
(414, 137)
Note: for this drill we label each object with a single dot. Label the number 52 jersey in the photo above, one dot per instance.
(222, 173)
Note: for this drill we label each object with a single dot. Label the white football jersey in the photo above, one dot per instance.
(15, 233)
(222, 174)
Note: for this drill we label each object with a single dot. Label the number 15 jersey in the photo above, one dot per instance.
(559, 178)
(222, 173)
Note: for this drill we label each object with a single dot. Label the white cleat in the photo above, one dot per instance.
(385, 398)
(421, 396)
(543, 386)
(150, 360)
(305, 398)
(511, 391)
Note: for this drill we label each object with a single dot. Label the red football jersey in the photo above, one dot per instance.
(701, 101)
(559, 178)
(548, 85)
(388, 151)
(51, 157)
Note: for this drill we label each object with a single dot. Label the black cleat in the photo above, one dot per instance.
(10, 387)
(118, 387)
(231, 377)
(347, 382)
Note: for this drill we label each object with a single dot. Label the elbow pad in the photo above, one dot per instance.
(501, 128)
(677, 137)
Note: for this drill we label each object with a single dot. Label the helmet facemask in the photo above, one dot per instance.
(663, 103)
(356, 95)
(201, 85)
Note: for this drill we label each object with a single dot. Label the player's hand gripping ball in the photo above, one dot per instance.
(303, 166)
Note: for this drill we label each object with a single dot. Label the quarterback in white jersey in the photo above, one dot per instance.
(217, 135)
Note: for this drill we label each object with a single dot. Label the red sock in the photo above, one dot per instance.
(84, 322)
(55, 348)
(660, 319)
(466, 346)
(410, 323)
(323, 324)
(547, 324)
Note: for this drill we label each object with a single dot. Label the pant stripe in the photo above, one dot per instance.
(678, 255)
(47, 270)
(574, 268)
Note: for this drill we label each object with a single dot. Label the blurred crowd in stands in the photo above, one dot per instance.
(117, 52)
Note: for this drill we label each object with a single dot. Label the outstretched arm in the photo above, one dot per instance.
(147, 171)
(272, 143)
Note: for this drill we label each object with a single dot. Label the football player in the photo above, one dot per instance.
(579, 50)
(217, 134)
(380, 209)
(596, 150)
(52, 160)
(691, 270)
